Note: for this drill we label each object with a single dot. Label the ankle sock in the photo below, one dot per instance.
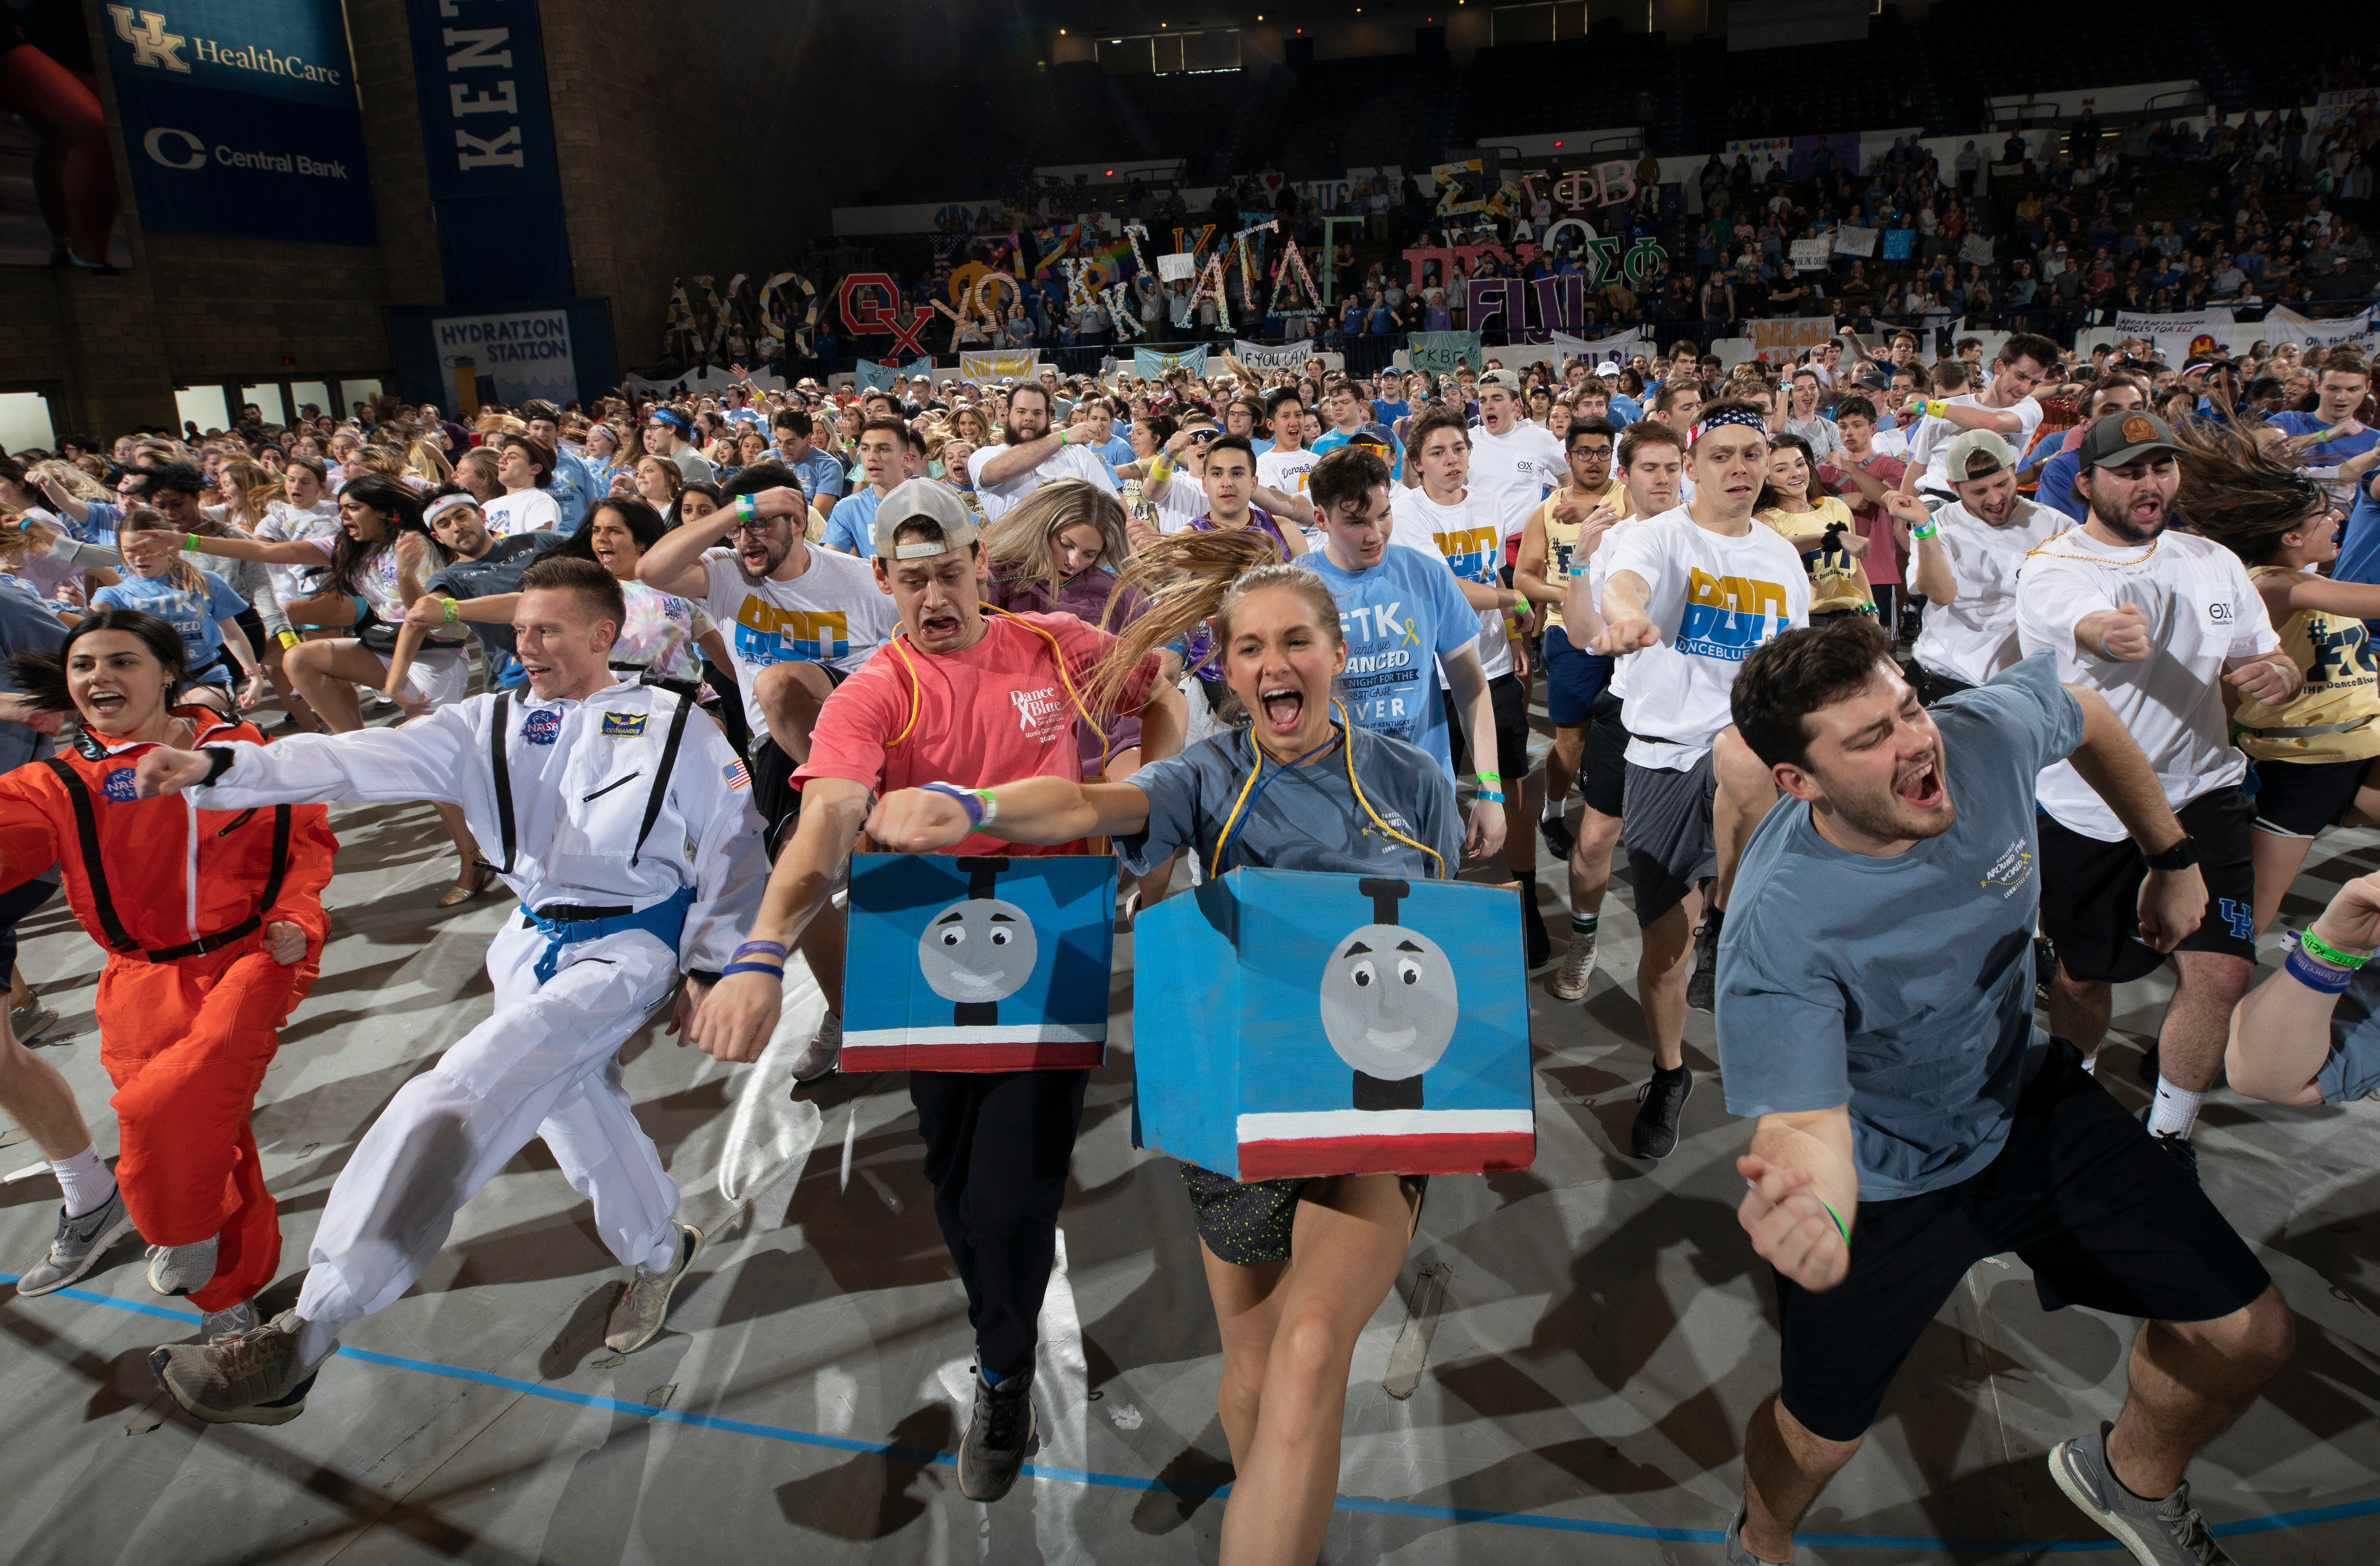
(1670, 1073)
(664, 1252)
(1585, 926)
(2175, 1111)
(85, 1182)
(2090, 1065)
(1551, 810)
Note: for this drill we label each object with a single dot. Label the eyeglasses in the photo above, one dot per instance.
(757, 527)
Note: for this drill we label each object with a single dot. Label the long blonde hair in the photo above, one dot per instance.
(1195, 578)
(1024, 541)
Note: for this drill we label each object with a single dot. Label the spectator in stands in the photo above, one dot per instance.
(821, 476)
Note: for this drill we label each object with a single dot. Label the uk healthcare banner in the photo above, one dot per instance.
(240, 117)
(525, 353)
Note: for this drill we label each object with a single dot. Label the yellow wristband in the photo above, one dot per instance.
(451, 614)
(288, 638)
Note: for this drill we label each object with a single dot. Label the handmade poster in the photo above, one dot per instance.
(1809, 253)
(1852, 241)
(1442, 353)
(1899, 244)
(958, 963)
(1289, 1024)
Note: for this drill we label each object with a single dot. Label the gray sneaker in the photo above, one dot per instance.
(77, 1246)
(824, 1052)
(233, 1321)
(992, 1453)
(1738, 1552)
(637, 1318)
(1577, 969)
(29, 1022)
(2158, 1533)
(179, 1269)
(255, 1378)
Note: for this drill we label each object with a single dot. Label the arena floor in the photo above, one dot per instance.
(1578, 1346)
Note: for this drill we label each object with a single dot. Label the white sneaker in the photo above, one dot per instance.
(233, 1321)
(31, 1020)
(181, 1270)
(819, 1057)
(1577, 970)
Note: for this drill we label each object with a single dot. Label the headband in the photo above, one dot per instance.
(1749, 417)
(671, 416)
(443, 505)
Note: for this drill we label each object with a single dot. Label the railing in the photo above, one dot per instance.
(2027, 114)
(2187, 97)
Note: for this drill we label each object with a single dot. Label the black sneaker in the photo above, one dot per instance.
(1702, 988)
(993, 1451)
(1658, 1104)
(1533, 936)
(1558, 838)
(2183, 1151)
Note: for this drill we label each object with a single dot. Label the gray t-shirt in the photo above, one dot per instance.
(2352, 1071)
(498, 571)
(1306, 819)
(1901, 986)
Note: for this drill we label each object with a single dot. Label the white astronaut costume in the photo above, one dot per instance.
(615, 817)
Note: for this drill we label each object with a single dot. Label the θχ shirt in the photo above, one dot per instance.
(1715, 600)
(1903, 986)
(833, 612)
(1397, 617)
(990, 714)
(1469, 538)
(1066, 462)
(2201, 609)
(1973, 637)
(1515, 470)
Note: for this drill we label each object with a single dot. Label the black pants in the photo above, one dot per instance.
(998, 1144)
(773, 794)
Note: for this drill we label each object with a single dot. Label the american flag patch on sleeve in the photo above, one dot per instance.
(735, 775)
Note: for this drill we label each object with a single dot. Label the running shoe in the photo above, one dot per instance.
(993, 1451)
(2157, 1532)
(77, 1246)
(233, 1321)
(1738, 1552)
(1559, 839)
(2181, 1149)
(255, 1378)
(823, 1054)
(178, 1269)
(637, 1318)
(1659, 1103)
(1701, 989)
(1534, 939)
(31, 1020)
(1577, 971)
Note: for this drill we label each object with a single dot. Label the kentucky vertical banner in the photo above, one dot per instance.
(487, 128)
(240, 117)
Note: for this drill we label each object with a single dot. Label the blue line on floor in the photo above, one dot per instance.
(2304, 1517)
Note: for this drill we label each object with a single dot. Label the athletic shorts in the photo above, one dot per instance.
(1603, 763)
(1249, 1224)
(18, 903)
(2090, 893)
(439, 676)
(2300, 798)
(1932, 687)
(1509, 696)
(2106, 1219)
(1573, 679)
(1672, 848)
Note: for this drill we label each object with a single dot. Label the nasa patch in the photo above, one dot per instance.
(542, 728)
(623, 725)
(118, 784)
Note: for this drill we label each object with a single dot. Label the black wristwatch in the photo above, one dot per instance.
(2181, 856)
(219, 759)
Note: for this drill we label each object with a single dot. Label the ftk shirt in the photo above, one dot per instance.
(1397, 617)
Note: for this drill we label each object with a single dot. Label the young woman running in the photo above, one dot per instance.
(1295, 1267)
(199, 605)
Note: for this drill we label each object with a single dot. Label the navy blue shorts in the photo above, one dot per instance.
(1573, 679)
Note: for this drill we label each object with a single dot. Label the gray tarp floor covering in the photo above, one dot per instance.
(1604, 1332)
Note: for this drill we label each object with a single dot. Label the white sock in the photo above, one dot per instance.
(1552, 808)
(2175, 1111)
(2090, 1065)
(86, 1182)
(664, 1252)
(316, 1340)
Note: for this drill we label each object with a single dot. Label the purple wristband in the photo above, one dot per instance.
(2318, 975)
(969, 801)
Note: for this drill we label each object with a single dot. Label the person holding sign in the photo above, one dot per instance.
(960, 697)
(1296, 1268)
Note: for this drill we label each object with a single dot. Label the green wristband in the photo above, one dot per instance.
(1926, 530)
(1839, 1226)
(190, 544)
(2323, 950)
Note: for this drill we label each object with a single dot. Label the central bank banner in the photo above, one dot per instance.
(240, 117)
(526, 353)
(487, 131)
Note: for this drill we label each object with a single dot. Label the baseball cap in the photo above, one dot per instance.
(1501, 381)
(923, 499)
(1374, 435)
(2123, 438)
(1958, 462)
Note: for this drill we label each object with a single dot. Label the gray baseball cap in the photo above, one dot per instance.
(923, 499)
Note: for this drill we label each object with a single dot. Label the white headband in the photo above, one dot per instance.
(443, 505)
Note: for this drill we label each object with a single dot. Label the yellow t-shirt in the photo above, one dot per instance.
(1562, 537)
(1838, 581)
(2338, 696)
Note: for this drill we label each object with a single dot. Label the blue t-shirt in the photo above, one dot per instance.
(2056, 488)
(2353, 1069)
(851, 525)
(1902, 987)
(1399, 617)
(1117, 453)
(2359, 540)
(2330, 454)
(193, 614)
(578, 484)
(1627, 410)
(820, 474)
(1331, 440)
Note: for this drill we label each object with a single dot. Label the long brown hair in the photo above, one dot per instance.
(149, 519)
(1191, 578)
(1024, 541)
(2238, 493)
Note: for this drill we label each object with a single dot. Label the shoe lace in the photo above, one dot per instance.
(244, 1354)
(1004, 1415)
(2188, 1529)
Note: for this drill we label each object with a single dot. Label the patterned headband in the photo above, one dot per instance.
(1749, 417)
(443, 505)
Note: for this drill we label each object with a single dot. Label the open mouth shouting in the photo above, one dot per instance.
(1284, 708)
(105, 704)
(1921, 787)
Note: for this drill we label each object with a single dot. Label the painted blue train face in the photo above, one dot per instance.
(1389, 1001)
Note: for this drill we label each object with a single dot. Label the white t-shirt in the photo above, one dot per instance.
(1286, 470)
(1515, 470)
(1183, 502)
(1066, 462)
(1599, 571)
(1929, 441)
(1973, 637)
(833, 612)
(1715, 600)
(2201, 610)
(528, 511)
(1470, 538)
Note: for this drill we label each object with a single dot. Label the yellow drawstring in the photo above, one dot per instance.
(1224, 837)
(1057, 653)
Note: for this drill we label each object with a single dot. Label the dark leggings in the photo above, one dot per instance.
(18, 903)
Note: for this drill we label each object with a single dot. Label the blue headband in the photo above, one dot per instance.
(674, 419)
(1749, 417)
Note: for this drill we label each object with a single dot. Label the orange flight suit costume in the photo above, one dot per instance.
(190, 1005)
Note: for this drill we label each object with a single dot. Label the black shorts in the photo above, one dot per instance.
(1671, 846)
(1249, 1224)
(1932, 687)
(2105, 1217)
(2090, 893)
(2300, 798)
(1509, 696)
(1603, 766)
(19, 902)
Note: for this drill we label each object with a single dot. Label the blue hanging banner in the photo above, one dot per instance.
(487, 130)
(240, 117)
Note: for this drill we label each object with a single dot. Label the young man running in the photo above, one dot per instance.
(1590, 498)
(1652, 461)
(2158, 622)
(1445, 520)
(622, 890)
(802, 620)
(1963, 564)
(1686, 597)
(1875, 1015)
(967, 699)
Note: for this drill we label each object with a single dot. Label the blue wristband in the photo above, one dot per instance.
(751, 946)
(1491, 796)
(969, 800)
(2318, 975)
(769, 968)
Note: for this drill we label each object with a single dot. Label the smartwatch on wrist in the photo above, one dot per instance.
(2181, 856)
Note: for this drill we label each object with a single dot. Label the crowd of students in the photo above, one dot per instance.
(1825, 646)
